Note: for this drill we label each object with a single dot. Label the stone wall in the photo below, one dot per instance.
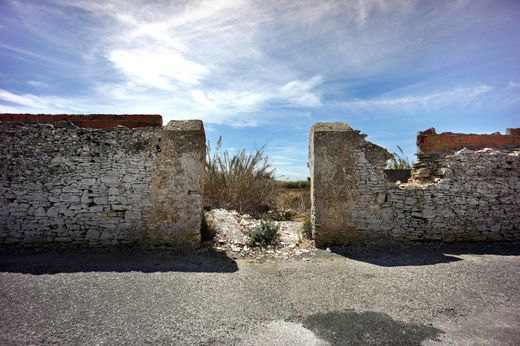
(61, 183)
(463, 195)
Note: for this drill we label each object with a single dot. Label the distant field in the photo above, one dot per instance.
(299, 184)
(294, 195)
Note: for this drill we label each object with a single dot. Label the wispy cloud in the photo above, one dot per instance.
(31, 55)
(289, 158)
(456, 96)
(228, 61)
(37, 84)
(34, 103)
(301, 93)
(512, 85)
(209, 56)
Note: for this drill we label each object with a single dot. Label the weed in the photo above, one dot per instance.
(264, 234)
(307, 228)
(281, 215)
(399, 161)
(300, 184)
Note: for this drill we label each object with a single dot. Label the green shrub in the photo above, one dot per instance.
(281, 215)
(307, 228)
(264, 234)
(242, 181)
(399, 161)
(300, 184)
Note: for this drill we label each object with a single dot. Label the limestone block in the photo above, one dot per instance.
(112, 191)
(68, 197)
(40, 212)
(92, 235)
(100, 200)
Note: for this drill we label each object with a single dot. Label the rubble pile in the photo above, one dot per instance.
(231, 234)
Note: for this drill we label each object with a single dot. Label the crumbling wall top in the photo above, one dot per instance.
(330, 126)
(429, 141)
(513, 132)
(185, 125)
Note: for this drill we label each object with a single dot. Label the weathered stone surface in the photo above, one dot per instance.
(60, 183)
(176, 186)
(455, 196)
(336, 154)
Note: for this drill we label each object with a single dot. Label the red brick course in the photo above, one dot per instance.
(96, 121)
(430, 141)
(513, 132)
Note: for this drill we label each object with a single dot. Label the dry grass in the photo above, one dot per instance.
(240, 181)
(398, 161)
(296, 199)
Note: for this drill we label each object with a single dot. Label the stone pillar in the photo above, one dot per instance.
(337, 156)
(176, 187)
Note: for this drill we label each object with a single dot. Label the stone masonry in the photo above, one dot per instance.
(456, 194)
(98, 185)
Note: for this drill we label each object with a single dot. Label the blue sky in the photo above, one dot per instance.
(262, 72)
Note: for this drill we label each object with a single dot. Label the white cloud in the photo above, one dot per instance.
(301, 93)
(12, 109)
(157, 67)
(457, 96)
(297, 93)
(209, 56)
(289, 158)
(37, 84)
(229, 61)
(31, 55)
(37, 103)
(513, 85)
(200, 97)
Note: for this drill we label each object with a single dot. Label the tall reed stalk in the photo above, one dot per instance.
(239, 181)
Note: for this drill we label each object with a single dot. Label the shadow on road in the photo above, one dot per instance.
(367, 328)
(420, 254)
(54, 261)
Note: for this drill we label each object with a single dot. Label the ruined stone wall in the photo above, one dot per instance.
(466, 195)
(60, 183)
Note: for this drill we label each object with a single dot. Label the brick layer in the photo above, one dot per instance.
(96, 121)
(428, 141)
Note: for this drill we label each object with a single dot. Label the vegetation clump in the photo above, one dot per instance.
(264, 234)
(307, 228)
(299, 184)
(399, 160)
(281, 215)
(240, 181)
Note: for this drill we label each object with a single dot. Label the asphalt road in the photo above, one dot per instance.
(459, 294)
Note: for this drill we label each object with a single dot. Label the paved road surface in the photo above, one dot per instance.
(427, 295)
